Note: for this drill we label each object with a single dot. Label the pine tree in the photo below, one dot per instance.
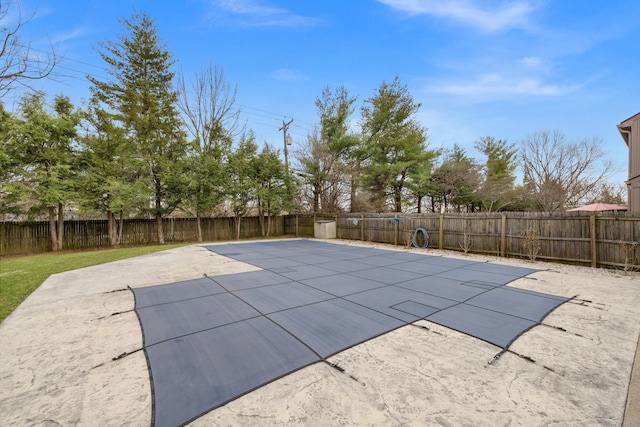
(242, 183)
(393, 143)
(42, 149)
(497, 188)
(111, 173)
(141, 99)
(271, 186)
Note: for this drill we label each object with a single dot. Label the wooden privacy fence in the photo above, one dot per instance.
(598, 240)
(602, 240)
(28, 238)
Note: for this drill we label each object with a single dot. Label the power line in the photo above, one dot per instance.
(242, 108)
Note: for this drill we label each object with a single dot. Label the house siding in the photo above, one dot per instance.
(630, 132)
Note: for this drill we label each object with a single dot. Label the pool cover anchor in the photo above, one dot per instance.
(561, 329)
(125, 354)
(506, 350)
(426, 329)
(343, 371)
(522, 356)
(118, 357)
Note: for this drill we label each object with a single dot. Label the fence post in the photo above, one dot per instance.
(337, 227)
(503, 236)
(395, 232)
(592, 235)
(296, 225)
(441, 233)
(362, 227)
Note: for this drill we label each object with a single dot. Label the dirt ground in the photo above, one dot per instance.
(71, 355)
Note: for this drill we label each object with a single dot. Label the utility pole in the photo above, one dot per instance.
(287, 141)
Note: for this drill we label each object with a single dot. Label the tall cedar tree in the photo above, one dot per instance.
(393, 143)
(111, 179)
(141, 98)
(242, 184)
(271, 186)
(41, 147)
(420, 184)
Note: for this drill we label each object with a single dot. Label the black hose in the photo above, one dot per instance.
(415, 238)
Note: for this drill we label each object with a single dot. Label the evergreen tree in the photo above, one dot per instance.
(111, 171)
(497, 187)
(338, 143)
(420, 184)
(393, 143)
(42, 147)
(242, 184)
(142, 101)
(271, 186)
(455, 182)
(7, 199)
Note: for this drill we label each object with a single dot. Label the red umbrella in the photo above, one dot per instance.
(599, 207)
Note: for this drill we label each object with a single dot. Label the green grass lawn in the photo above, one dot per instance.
(19, 276)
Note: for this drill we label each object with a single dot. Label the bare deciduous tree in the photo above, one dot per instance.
(325, 176)
(19, 62)
(213, 119)
(559, 173)
(209, 105)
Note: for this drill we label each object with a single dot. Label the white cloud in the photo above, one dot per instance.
(492, 85)
(255, 13)
(63, 37)
(507, 15)
(536, 64)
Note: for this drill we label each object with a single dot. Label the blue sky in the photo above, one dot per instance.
(479, 68)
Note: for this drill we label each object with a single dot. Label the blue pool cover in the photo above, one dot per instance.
(213, 339)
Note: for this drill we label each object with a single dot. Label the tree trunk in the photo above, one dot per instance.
(111, 228)
(268, 218)
(268, 225)
(198, 227)
(114, 228)
(352, 199)
(120, 227)
(60, 226)
(398, 200)
(354, 190)
(261, 218)
(160, 229)
(419, 204)
(52, 228)
(237, 220)
(316, 196)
